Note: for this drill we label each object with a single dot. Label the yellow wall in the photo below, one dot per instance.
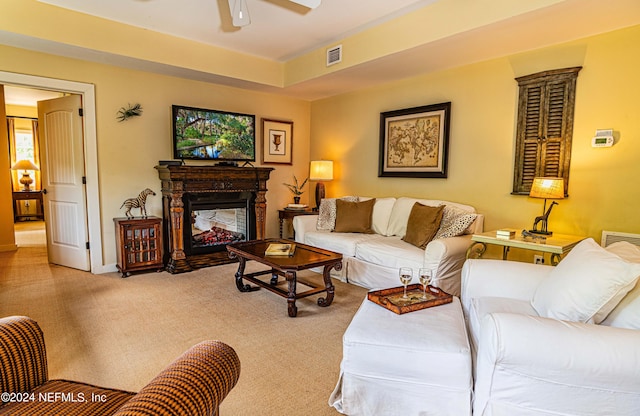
(128, 151)
(602, 188)
(7, 239)
(603, 194)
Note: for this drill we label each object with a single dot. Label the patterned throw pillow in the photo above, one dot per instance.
(455, 221)
(327, 212)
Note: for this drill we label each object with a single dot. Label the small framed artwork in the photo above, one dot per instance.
(414, 142)
(277, 141)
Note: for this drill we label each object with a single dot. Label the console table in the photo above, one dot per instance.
(27, 196)
(557, 244)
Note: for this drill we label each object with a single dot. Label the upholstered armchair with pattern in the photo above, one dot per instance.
(193, 384)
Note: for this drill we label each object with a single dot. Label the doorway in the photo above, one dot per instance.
(87, 91)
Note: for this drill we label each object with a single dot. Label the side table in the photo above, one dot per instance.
(138, 244)
(288, 214)
(557, 244)
(26, 196)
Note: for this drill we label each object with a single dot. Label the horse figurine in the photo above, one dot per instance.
(138, 202)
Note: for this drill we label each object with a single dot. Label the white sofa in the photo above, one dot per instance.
(545, 342)
(372, 260)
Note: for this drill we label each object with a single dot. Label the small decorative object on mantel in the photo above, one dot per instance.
(138, 202)
(131, 111)
(296, 188)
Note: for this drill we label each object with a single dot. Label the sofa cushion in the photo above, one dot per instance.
(381, 213)
(423, 224)
(586, 285)
(390, 252)
(483, 306)
(626, 314)
(400, 214)
(327, 212)
(344, 243)
(402, 209)
(354, 217)
(455, 222)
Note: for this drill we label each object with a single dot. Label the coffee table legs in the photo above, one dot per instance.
(239, 274)
(328, 284)
(292, 282)
(291, 297)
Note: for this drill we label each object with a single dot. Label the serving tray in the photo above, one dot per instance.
(392, 298)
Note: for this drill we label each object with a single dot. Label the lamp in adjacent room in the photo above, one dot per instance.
(547, 188)
(320, 170)
(25, 165)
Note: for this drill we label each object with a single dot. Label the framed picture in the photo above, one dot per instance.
(414, 142)
(277, 141)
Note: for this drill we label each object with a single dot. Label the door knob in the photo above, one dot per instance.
(44, 191)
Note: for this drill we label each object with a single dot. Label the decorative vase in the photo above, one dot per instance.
(296, 199)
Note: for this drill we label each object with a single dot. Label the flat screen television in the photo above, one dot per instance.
(204, 134)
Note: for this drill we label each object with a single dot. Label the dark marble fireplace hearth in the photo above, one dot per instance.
(193, 195)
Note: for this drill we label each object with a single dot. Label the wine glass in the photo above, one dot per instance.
(425, 280)
(406, 274)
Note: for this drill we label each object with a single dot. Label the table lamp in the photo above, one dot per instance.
(320, 170)
(25, 165)
(547, 188)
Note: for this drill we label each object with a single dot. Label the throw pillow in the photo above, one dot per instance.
(455, 222)
(586, 285)
(423, 224)
(354, 217)
(327, 212)
(626, 313)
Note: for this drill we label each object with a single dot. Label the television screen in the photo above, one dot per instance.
(204, 134)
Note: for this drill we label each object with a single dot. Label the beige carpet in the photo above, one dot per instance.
(116, 332)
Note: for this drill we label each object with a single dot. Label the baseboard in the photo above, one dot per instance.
(8, 247)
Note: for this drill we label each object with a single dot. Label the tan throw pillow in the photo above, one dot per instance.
(424, 222)
(327, 212)
(354, 217)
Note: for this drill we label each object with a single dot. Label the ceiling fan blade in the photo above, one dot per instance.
(312, 4)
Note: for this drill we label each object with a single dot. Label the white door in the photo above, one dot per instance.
(62, 166)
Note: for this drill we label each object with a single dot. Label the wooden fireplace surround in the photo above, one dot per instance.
(179, 181)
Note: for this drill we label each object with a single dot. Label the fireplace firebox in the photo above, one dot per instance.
(214, 220)
(207, 207)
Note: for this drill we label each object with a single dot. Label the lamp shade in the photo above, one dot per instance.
(321, 170)
(547, 188)
(24, 164)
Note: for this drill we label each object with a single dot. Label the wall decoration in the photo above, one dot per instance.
(414, 142)
(277, 141)
(131, 111)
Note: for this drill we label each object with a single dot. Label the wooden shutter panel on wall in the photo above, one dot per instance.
(545, 127)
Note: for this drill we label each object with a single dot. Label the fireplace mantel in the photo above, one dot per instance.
(180, 181)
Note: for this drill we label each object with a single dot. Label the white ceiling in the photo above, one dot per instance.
(26, 96)
(279, 29)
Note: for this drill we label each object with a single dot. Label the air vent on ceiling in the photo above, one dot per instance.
(334, 55)
(610, 237)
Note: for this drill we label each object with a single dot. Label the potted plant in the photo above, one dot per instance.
(296, 188)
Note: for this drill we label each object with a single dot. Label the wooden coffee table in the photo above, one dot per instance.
(305, 257)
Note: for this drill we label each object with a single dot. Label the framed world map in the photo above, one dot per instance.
(414, 142)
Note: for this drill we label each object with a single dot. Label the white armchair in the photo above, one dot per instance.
(528, 364)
